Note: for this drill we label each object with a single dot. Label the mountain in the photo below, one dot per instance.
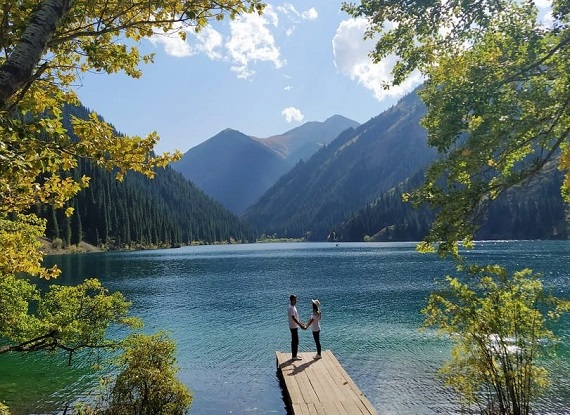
(304, 141)
(140, 212)
(236, 169)
(232, 168)
(347, 174)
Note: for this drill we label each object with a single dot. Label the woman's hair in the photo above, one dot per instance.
(316, 309)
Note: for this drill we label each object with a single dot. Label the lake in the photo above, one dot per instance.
(225, 306)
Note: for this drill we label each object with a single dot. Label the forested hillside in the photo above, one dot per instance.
(139, 212)
(534, 210)
(388, 218)
(350, 190)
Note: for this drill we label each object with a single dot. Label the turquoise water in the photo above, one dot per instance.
(226, 308)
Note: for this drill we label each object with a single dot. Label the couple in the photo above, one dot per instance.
(294, 324)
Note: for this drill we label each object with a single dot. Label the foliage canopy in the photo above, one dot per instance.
(146, 383)
(497, 90)
(502, 321)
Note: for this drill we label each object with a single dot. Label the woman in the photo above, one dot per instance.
(315, 323)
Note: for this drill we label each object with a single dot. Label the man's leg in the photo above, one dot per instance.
(294, 342)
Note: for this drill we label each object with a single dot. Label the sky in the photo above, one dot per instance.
(302, 60)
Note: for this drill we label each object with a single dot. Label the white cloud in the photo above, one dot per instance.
(249, 41)
(310, 14)
(252, 41)
(545, 16)
(543, 4)
(292, 114)
(207, 41)
(243, 42)
(242, 71)
(210, 42)
(294, 17)
(351, 57)
(172, 42)
(288, 88)
(288, 9)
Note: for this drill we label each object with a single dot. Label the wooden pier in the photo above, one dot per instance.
(320, 386)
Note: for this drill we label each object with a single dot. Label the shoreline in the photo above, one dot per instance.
(48, 248)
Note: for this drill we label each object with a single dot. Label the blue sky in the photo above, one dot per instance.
(303, 60)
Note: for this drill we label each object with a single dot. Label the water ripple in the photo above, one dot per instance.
(225, 306)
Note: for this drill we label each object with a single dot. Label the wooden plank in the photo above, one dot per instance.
(320, 386)
(300, 409)
(325, 385)
(328, 401)
(296, 377)
(357, 397)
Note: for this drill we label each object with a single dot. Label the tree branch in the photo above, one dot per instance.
(50, 341)
(37, 343)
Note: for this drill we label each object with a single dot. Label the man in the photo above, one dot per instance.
(294, 325)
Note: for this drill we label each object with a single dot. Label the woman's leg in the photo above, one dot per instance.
(317, 337)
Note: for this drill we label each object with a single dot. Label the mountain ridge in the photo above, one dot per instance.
(293, 144)
(351, 189)
(236, 169)
(345, 175)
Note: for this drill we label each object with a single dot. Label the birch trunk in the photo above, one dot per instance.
(18, 69)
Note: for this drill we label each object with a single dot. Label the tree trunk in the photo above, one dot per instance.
(18, 69)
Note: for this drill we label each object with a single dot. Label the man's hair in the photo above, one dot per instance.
(292, 297)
